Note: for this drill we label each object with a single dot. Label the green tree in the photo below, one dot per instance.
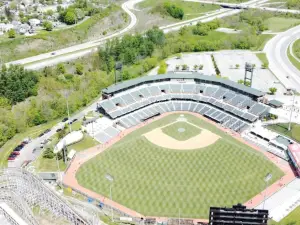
(48, 154)
(237, 66)
(79, 68)
(16, 83)
(11, 33)
(162, 68)
(70, 18)
(240, 81)
(48, 26)
(60, 68)
(272, 90)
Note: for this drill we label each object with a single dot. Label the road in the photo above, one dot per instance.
(247, 5)
(279, 63)
(76, 51)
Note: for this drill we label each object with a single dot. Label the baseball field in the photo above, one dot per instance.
(179, 165)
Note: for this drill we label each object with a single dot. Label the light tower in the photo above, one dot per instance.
(249, 68)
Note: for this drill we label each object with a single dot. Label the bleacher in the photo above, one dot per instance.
(232, 109)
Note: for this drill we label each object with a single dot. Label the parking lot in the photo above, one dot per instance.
(263, 79)
(226, 61)
(190, 59)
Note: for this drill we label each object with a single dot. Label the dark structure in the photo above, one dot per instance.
(275, 103)
(238, 214)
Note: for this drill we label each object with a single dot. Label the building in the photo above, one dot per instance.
(238, 214)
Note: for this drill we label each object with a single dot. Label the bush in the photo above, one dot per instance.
(273, 90)
(79, 69)
(48, 26)
(48, 154)
(11, 33)
(174, 11)
(60, 68)
(162, 68)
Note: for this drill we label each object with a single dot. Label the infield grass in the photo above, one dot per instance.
(173, 131)
(161, 182)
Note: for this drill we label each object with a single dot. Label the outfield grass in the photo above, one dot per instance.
(159, 182)
(277, 24)
(282, 128)
(292, 219)
(191, 9)
(190, 131)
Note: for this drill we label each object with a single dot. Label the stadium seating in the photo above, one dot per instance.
(231, 109)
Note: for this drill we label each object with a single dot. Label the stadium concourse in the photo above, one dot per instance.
(126, 106)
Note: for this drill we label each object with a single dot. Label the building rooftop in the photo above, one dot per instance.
(193, 75)
(275, 103)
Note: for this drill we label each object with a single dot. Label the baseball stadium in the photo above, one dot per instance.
(172, 146)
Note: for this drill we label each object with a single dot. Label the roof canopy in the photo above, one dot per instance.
(196, 76)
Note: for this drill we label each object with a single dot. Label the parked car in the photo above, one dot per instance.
(41, 134)
(74, 120)
(16, 153)
(59, 129)
(18, 148)
(12, 157)
(47, 131)
(65, 119)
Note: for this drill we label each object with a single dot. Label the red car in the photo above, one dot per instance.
(11, 157)
(16, 153)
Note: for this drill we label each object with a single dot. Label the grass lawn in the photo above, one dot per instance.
(189, 131)
(85, 143)
(296, 48)
(294, 61)
(76, 125)
(292, 219)
(277, 24)
(32, 132)
(191, 9)
(160, 182)
(262, 40)
(48, 165)
(282, 128)
(262, 57)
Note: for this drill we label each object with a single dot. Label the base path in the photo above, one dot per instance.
(69, 178)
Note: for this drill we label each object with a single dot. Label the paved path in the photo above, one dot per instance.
(70, 180)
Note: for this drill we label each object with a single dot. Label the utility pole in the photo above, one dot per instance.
(292, 111)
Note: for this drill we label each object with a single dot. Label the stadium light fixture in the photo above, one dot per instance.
(110, 178)
(291, 111)
(267, 178)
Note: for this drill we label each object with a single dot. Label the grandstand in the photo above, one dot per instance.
(233, 105)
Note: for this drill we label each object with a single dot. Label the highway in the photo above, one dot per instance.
(254, 4)
(76, 51)
(279, 63)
